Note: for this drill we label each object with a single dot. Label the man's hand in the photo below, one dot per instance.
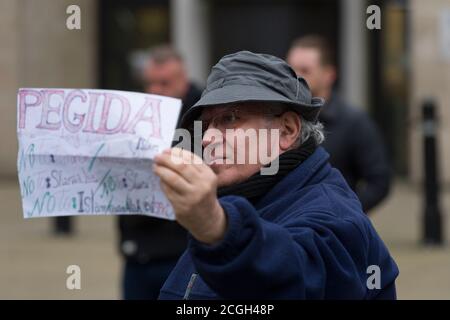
(191, 187)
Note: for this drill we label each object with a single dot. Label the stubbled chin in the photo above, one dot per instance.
(225, 177)
(228, 174)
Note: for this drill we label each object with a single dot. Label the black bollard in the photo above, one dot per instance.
(63, 226)
(432, 215)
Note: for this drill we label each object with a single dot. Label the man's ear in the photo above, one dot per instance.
(330, 75)
(290, 127)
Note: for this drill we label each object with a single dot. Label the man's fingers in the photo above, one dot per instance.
(172, 179)
(170, 193)
(176, 163)
(186, 156)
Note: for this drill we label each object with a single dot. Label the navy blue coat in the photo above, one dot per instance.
(307, 238)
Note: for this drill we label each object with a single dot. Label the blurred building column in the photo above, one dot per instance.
(189, 33)
(51, 54)
(430, 69)
(39, 51)
(353, 52)
(9, 82)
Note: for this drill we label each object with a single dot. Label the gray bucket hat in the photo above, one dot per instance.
(245, 76)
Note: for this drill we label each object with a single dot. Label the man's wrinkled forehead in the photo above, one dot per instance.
(211, 111)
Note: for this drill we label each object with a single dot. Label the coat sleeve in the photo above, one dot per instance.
(308, 256)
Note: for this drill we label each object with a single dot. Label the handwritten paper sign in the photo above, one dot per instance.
(89, 152)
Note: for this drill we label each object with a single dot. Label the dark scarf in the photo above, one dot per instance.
(258, 185)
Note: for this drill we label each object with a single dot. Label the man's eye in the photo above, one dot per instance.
(228, 119)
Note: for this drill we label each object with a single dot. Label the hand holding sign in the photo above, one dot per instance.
(191, 187)
(91, 151)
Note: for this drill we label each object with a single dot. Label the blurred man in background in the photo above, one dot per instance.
(352, 139)
(152, 246)
(165, 74)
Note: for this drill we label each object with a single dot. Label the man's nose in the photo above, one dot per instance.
(211, 135)
(207, 138)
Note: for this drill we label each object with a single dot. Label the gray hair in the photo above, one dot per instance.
(312, 130)
(309, 129)
(163, 53)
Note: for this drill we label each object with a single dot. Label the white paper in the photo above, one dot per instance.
(444, 33)
(89, 152)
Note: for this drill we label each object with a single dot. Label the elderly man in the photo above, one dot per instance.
(297, 234)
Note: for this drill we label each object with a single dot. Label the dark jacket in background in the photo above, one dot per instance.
(357, 150)
(145, 239)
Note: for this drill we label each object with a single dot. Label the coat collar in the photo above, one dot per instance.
(306, 173)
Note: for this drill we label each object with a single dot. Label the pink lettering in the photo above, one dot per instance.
(23, 105)
(154, 119)
(47, 110)
(109, 97)
(90, 111)
(93, 98)
(79, 118)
